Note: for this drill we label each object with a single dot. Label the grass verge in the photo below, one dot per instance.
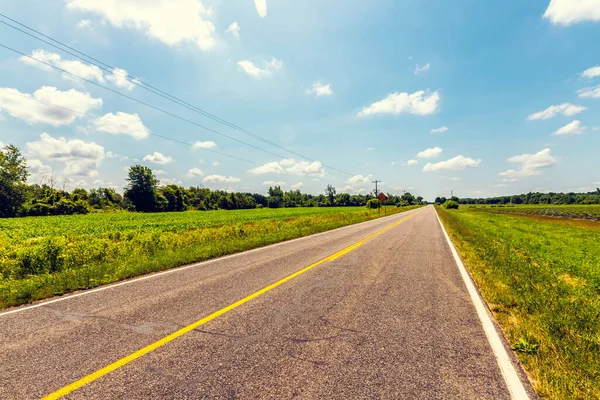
(42, 257)
(541, 279)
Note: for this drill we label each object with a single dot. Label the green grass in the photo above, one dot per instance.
(541, 279)
(42, 257)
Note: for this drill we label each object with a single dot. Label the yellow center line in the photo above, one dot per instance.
(159, 343)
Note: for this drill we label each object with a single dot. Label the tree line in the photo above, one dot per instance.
(592, 197)
(144, 193)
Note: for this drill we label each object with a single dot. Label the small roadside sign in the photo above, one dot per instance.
(382, 197)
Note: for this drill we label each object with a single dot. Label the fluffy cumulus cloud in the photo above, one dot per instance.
(36, 166)
(85, 24)
(234, 29)
(204, 145)
(529, 165)
(297, 185)
(418, 103)
(457, 163)
(320, 89)
(273, 183)
(261, 7)
(195, 172)
(220, 179)
(421, 68)
(589, 92)
(80, 157)
(158, 158)
(47, 105)
(90, 72)
(358, 180)
(120, 78)
(573, 128)
(430, 153)
(567, 12)
(173, 22)
(566, 109)
(290, 166)
(122, 124)
(441, 129)
(257, 72)
(591, 72)
(411, 162)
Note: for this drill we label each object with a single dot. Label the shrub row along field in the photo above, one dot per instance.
(46, 256)
(591, 211)
(541, 279)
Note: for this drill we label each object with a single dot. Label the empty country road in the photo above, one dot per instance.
(374, 310)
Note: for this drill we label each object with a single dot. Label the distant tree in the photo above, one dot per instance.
(141, 188)
(342, 199)
(330, 193)
(419, 199)
(176, 197)
(13, 178)
(408, 198)
(455, 199)
(438, 200)
(275, 199)
(373, 203)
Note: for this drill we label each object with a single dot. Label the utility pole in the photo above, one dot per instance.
(376, 191)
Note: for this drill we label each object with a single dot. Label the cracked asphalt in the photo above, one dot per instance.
(391, 319)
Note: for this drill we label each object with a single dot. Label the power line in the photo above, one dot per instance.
(155, 90)
(151, 133)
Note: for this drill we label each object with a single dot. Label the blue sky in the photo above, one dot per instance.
(484, 98)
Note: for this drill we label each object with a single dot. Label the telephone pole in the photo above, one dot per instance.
(376, 191)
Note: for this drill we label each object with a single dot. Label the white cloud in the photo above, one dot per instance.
(47, 105)
(87, 71)
(122, 124)
(430, 153)
(273, 183)
(159, 172)
(530, 164)
(591, 72)
(110, 154)
(418, 103)
(257, 72)
(457, 163)
(455, 178)
(566, 12)
(204, 145)
(261, 7)
(320, 89)
(170, 181)
(411, 162)
(419, 68)
(216, 163)
(566, 109)
(80, 158)
(499, 185)
(158, 158)
(370, 149)
(194, 172)
(297, 185)
(572, 128)
(234, 29)
(306, 168)
(221, 179)
(173, 22)
(358, 180)
(37, 167)
(85, 24)
(290, 166)
(441, 129)
(119, 78)
(589, 92)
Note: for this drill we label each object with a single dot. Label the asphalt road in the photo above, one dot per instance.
(390, 318)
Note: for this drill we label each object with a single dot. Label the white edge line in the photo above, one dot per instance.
(184, 267)
(509, 373)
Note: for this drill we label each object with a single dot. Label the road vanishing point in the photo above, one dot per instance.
(378, 310)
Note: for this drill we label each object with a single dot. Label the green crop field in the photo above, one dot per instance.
(541, 279)
(46, 256)
(584, 211)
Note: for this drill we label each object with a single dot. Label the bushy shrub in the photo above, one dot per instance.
(451, 204)
(373, 203)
